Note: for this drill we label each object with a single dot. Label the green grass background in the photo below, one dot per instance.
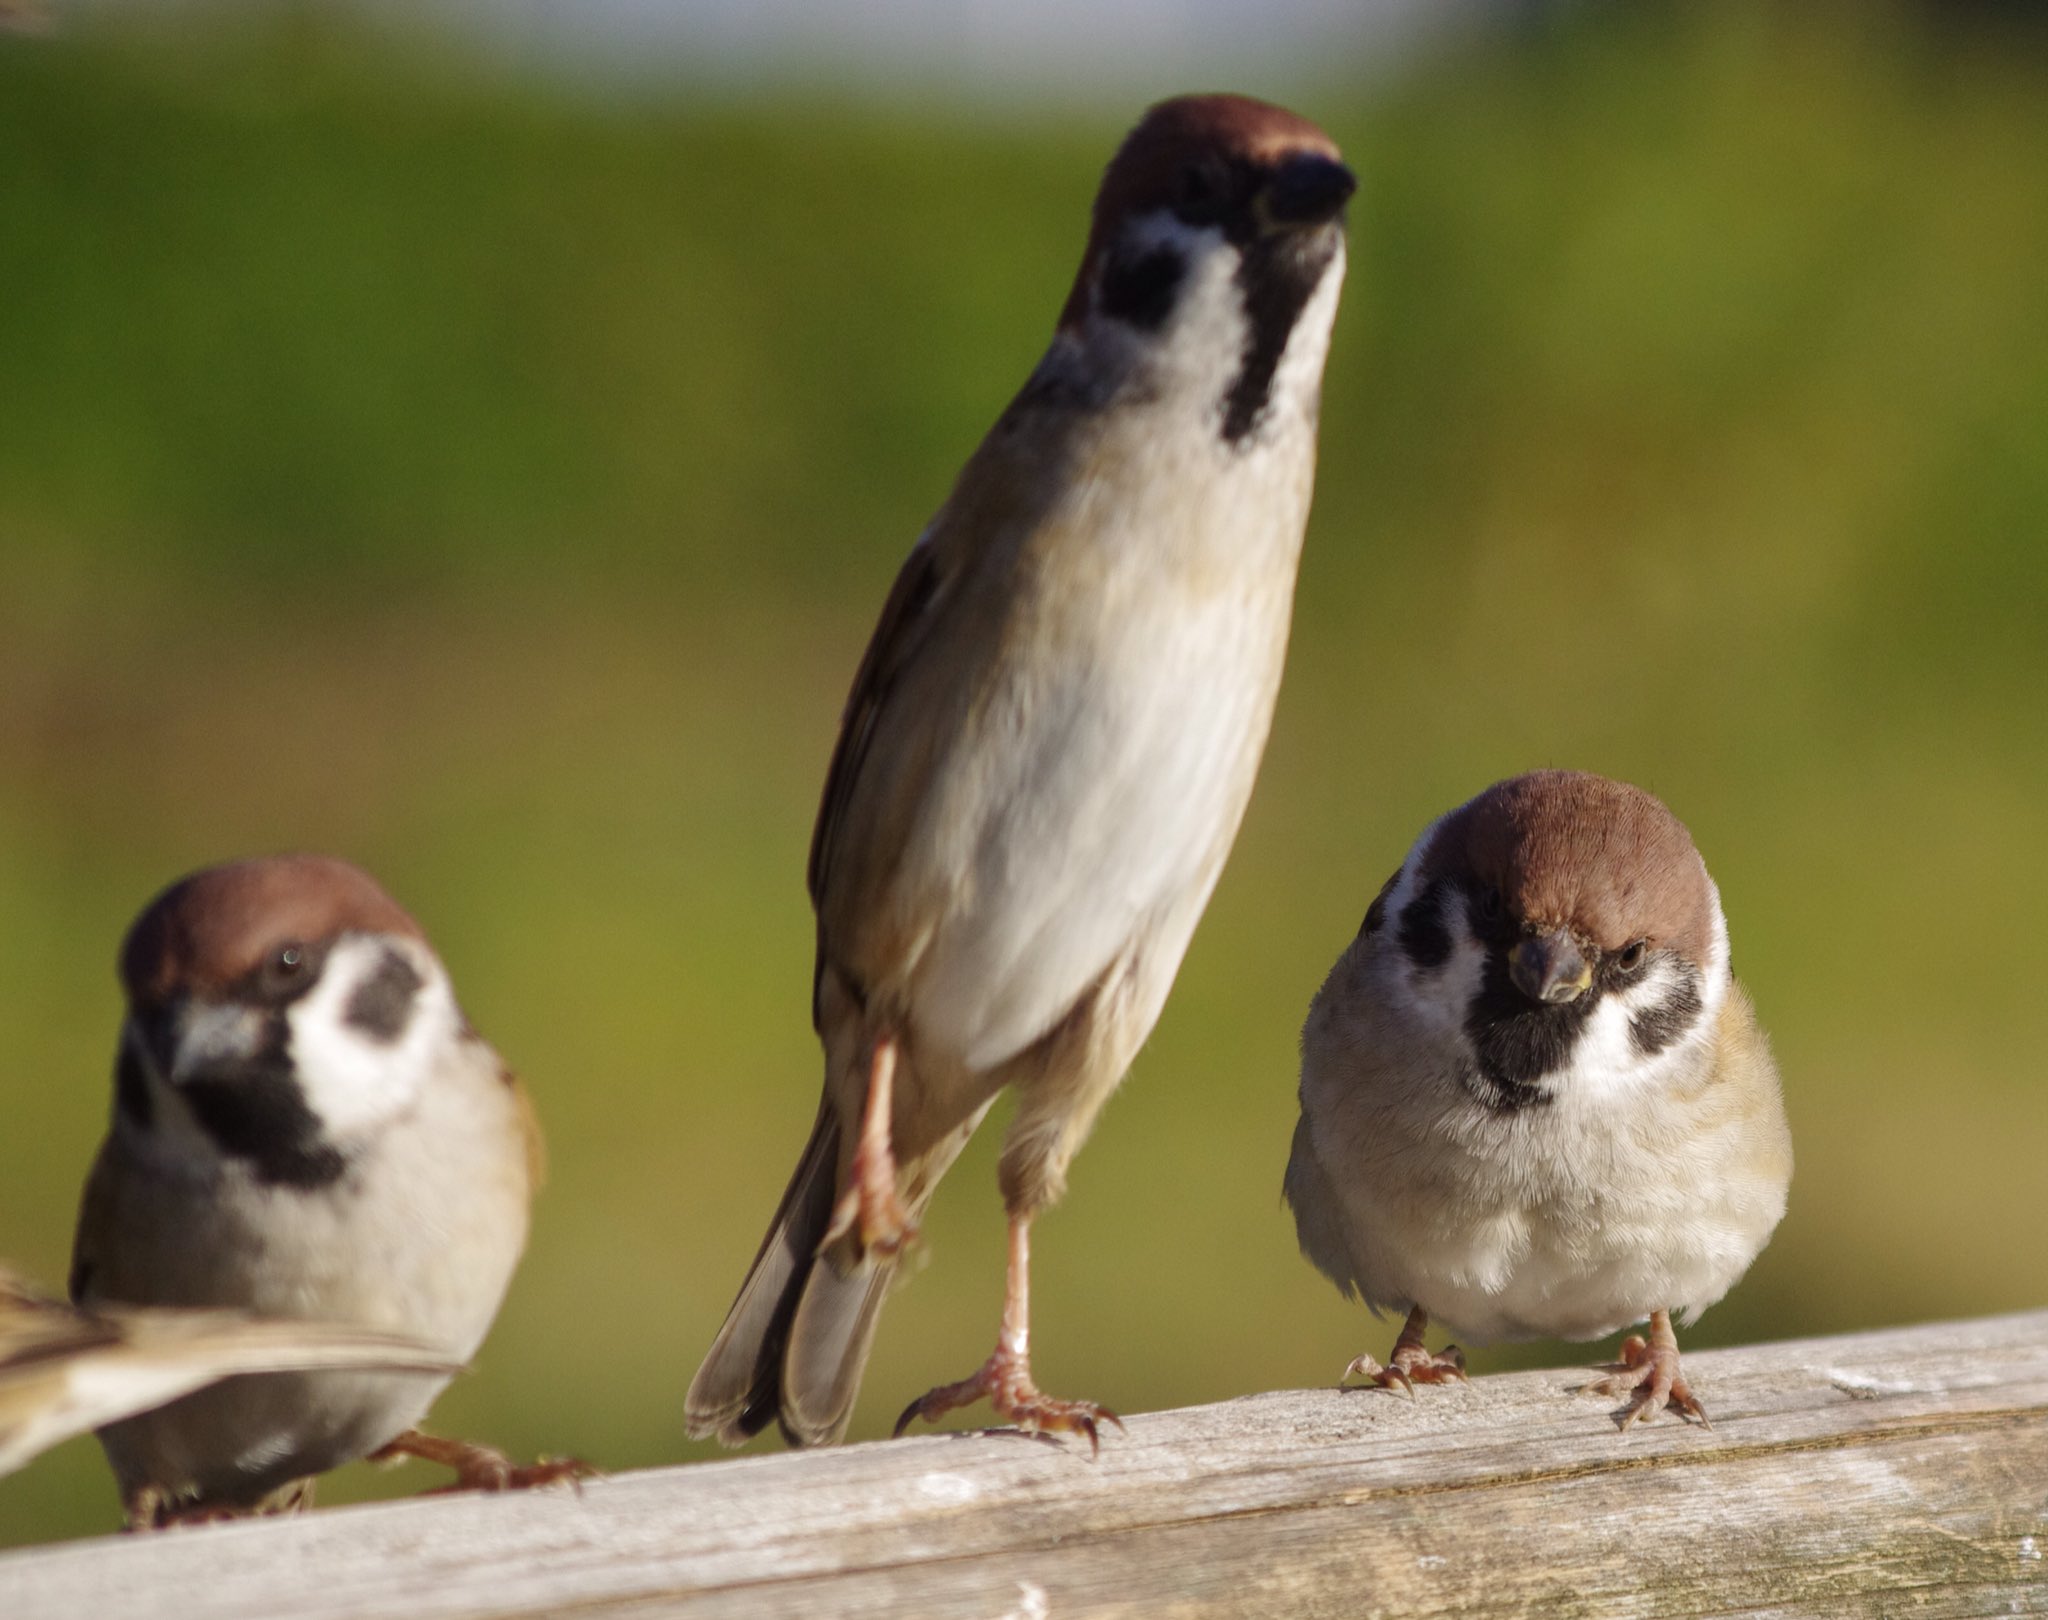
(496, 485)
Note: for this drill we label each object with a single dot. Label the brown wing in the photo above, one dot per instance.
(35, 1329)
(904, 618)
(65, 1369)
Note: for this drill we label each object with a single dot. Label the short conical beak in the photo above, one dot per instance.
(1550, 967)
(1308, 189)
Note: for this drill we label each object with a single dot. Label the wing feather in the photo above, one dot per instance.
(906, 616)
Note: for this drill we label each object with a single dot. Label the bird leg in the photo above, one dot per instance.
(871, 1201)
(1004, 1380)
(480, 1468)
(1648, 1373)
(1411, 1364)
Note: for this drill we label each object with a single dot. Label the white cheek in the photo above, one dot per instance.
(1606, 1065)
(1195, 356)
(1444, 995)
(1408, 883)
(1438, 998)
(1719, 966)
(352, 1080)
(1613, 1066)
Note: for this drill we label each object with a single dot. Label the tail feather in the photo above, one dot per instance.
(797, 1338)
(737, 1391)
(830, 1335)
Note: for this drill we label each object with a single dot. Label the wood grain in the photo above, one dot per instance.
(1902, 1472)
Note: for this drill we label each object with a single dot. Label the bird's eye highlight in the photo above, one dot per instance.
(1632, 955)
(286, 971)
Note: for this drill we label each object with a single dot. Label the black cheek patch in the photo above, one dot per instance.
(1140, 291)
(255, 1112)
(1424, 936)
(131, 1088)
(263, 1119)
(382, 1004)
(1656, 1027)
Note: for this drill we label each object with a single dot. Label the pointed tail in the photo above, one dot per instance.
(797, 1338)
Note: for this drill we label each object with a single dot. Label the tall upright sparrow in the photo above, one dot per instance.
(304, 1126)
(1534, 1101)
(65, 1369)
(1049, 746)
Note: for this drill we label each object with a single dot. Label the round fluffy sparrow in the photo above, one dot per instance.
(1534, 1101)
(1050, 744)
(65, 1369)
(304, 1126)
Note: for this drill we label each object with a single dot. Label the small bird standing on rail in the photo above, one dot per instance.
(304, 1126)
(65, 1369)
(1534, 1101)
(1049, 746)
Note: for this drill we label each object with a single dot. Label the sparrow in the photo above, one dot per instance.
(65, 1369)
(1535, 1103)
(304, 1126)
(1048, 747)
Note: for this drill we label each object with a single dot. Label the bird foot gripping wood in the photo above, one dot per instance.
(483, 1468)
(871, 1204)
(1649, 1375)
(1004, 1381)
(1412, 1365)
(152, 1508)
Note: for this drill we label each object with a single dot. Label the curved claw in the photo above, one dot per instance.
(1004, 1381)
(911, 1414)
(1390, 1377)
(1648, 1373)
(1089, 1420)
(1412, 1365)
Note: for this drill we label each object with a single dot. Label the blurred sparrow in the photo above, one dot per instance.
(1049, 746)
(1534, 1102)
(65, 1369)
(304, 1126)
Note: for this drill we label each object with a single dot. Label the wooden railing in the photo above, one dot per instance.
(1895, 1473)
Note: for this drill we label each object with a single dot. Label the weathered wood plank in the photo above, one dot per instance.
(1902, 1472)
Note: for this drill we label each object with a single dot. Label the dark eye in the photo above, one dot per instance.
(284, 971)
(1632, 955)
(1490, 905)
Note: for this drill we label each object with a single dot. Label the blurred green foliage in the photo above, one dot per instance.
(497, 486)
